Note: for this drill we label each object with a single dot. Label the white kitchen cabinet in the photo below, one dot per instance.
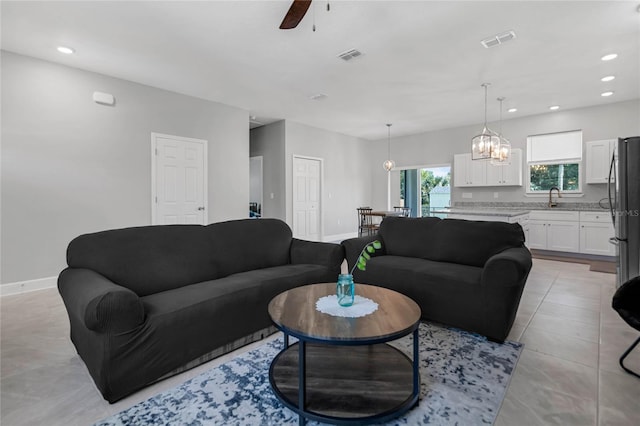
(507, 175)
(554, 230)
(537, 238)
(598, 160)
(468, 172)
(595, 230)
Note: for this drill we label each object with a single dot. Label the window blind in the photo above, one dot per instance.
(555, 147)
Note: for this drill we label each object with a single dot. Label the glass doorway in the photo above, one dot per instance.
(426, 189)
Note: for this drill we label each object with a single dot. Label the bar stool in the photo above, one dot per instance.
(365, 222)
(406, 211)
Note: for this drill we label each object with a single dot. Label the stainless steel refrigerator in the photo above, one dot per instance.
(624, 199)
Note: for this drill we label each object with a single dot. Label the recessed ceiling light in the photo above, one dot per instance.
(608, 78)
(512, 109)
(554, 107)
(66, 50)
(605, 94)
(609, 57)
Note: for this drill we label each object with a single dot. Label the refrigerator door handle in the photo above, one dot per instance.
(612, 201)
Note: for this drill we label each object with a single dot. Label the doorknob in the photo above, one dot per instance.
(200, 208)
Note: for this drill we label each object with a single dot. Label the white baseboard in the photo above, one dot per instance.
(339, 237)
(27, 286)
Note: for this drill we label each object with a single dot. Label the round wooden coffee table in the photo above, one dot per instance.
(341, 370)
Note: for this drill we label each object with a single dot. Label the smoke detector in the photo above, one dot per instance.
(350, 54)
(498, 39)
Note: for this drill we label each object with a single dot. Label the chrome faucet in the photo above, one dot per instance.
(551, 202)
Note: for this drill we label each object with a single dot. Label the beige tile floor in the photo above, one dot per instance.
(568, 373)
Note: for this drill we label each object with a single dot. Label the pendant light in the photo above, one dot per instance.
(502, 155)
(484, 144)
(389, 164)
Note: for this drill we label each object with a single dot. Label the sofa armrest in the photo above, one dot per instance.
(100, 304)
(353, 247)
(507, 268)
(317, 253)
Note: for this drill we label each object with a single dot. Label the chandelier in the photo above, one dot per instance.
(389, 164)
(486, 143)
(501, 156)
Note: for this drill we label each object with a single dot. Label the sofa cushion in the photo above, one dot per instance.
(449, 240)
(146, 259)
(188, 322)
(446, 292)
(245, 245)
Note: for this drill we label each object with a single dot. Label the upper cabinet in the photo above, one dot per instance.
(468, 172)
(598, 160)
(507, 175)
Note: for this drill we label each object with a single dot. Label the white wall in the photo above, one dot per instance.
(609, 121)
(71, 166)
(347, 171)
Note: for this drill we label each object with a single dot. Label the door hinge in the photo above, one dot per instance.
(156, 200)
(156, 151)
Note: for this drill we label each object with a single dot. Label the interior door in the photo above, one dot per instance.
(306, 198)
(179, 180)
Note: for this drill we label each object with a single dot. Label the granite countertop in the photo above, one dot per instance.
(500, 207)
(481, 212)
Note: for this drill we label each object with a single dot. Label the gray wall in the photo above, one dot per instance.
(71, 166)
(346, 174)
(268, 141)
(438, 147)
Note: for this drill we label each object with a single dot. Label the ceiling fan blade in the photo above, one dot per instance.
(295, 14)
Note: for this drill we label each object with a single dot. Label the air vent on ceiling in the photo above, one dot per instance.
(498, 39)
(350, 54)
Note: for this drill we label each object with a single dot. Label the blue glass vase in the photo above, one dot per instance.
(345, 290)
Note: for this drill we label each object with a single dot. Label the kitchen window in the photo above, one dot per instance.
(554, 160)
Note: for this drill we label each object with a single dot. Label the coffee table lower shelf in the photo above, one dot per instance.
(345, 384)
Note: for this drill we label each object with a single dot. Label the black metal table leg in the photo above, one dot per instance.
(416, 366)
(286, 340)
(302, 368)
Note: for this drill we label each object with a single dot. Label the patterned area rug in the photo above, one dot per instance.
(464, 379)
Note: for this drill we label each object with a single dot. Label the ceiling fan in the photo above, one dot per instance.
(295, 14)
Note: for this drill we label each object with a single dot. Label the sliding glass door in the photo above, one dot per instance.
(425, 189)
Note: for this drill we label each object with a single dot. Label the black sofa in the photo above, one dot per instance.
(149, 302)
(466, 274)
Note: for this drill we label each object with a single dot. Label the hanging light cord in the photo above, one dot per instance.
(485, 103)
(500, 99)
(389, 141)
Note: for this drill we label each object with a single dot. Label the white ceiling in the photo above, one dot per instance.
(422, 67)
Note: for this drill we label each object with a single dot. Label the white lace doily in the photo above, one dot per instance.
(361, 307)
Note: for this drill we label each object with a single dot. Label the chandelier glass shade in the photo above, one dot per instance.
(484, 145)
(502, 155)
(389, 164)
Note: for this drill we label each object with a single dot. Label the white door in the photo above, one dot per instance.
(179, 180)
(306, 198)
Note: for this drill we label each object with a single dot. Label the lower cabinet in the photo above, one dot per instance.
(554, 235)
(571, 231)
(595, 231)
